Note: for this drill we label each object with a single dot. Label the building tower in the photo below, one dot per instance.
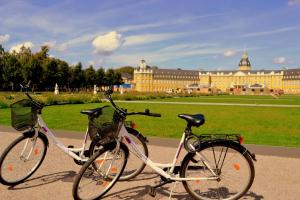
(143, 77)
(245, 64)
(143, 64)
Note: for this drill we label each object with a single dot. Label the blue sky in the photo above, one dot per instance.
(190, 34)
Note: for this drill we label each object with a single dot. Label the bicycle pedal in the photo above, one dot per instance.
(152, 191)
(70, 146)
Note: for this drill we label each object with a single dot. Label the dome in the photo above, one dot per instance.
(245, 60)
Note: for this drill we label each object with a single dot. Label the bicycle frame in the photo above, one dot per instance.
(70, 151)
(157, 167)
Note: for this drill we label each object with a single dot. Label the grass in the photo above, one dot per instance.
(286, 99)
(266, 126)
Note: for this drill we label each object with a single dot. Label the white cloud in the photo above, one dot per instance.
(50, 44)
(280, 60)
(18, 47)
(108, 43)
(229, 53)
(271, 32)
(96, 63)
(61, 47)
(148, 38)
(293, 2)
(4, 38)
(57, 47)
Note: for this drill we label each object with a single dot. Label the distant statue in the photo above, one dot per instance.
(56, 91)
(95, 89)
(121, 89)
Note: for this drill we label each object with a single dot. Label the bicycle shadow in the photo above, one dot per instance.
(141, 192)
(65, 176)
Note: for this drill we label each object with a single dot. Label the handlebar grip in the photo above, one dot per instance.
(154, 114)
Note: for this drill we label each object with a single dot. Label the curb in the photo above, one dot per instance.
(290, 152)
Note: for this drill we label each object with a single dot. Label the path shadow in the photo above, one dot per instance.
(65, 176)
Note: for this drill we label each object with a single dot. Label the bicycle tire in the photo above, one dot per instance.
(6, 165)
(89, 169)
(242, 170)
(130, 171)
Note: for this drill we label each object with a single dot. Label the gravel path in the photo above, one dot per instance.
(277, 177)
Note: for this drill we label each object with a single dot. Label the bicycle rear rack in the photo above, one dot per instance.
(234, 137)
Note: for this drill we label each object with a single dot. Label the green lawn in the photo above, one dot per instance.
(259, 125)
(285, 99)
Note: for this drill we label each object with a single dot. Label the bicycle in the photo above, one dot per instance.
(217, 166)
(26, 153)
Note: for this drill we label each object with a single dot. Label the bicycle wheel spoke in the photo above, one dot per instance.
(235, 174)
(96, 178)
(21, 159)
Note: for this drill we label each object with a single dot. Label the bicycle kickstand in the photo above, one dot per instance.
(152, 189)
(173, 188)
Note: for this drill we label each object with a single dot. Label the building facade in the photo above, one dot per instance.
(241, 81)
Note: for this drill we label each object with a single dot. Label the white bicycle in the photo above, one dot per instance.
(216, 166)
(25, 154)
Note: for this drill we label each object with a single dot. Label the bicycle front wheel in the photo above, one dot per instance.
(21, 159)
(134, 164)
(223, 171)
(99, 174)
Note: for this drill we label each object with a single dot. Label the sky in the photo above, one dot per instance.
(187, 34)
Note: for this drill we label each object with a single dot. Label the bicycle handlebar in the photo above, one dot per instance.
(145, 113)
(27, 87)
(108, 93)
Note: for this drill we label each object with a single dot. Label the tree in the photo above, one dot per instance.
(113, 78)
(77, 77)
(64, 74)
(90, 76)
(100, 77)
(11, 72)
(125, 69)
(50, 74)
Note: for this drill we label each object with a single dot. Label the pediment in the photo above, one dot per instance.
(239, 73)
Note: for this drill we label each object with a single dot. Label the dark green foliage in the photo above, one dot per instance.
(44, 72)
(125, 69)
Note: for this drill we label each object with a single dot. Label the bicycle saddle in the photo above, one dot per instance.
(193, 120)
(90, 111)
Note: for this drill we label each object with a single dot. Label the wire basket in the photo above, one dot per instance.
(23, 115)
(103, 127)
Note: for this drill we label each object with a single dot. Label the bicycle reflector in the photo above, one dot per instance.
(133, 125)
(241, 139)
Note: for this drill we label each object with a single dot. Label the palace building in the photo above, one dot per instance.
(244, 80)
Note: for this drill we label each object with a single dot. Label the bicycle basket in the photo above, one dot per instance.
(23, 115)
(103, 127)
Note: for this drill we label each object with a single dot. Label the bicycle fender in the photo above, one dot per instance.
(31, 133)
(136, 133)
(44, 137)
(230, 142)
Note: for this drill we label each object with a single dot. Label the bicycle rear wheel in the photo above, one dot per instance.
(21, 159)
(233, 168)
(99, 174)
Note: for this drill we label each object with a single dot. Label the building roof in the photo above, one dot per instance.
(291, 74)
(176, 74)
(175, 71)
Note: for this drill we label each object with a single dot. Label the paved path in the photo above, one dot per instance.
(214, 104)
(277, 178)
